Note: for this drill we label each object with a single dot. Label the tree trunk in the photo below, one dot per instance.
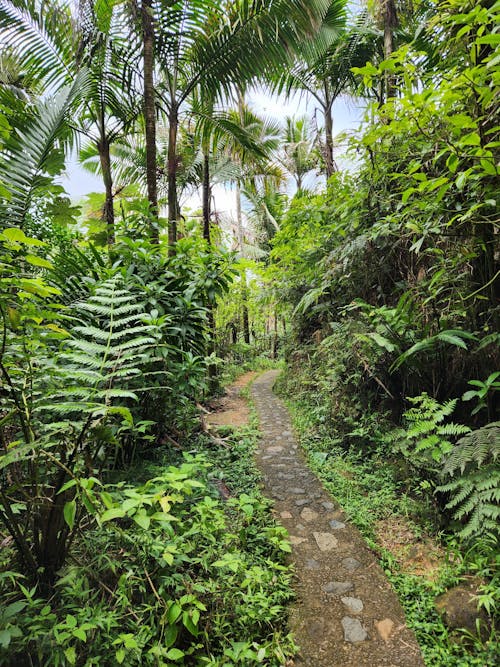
(244, 296)
(390, 20)
(330, 167)
(173, 119)
(108, 213)
(206, 196)
(150, 115)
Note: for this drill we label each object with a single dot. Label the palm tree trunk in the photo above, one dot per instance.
(330, 167)
(150, 114)
(390, 19)
(206, 196)
(173, 120)
(108, 213)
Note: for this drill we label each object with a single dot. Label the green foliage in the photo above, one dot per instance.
(169, 574)
(475, 481)
(427, 434)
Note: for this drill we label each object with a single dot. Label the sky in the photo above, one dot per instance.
(346, 116)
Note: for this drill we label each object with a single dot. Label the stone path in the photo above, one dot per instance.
(346, 613)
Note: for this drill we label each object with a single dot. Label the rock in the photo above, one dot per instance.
(351, 564)
(286, 515)
(458, 609)
(385, 628)
(325, 541)
(312, 564)
(297, 490)
(296, 540)
(354, 605)
(328, 505)
(336, 525)
(338, 587)
(353, 630)
(301, 502)
(275, 449)
(308, 514)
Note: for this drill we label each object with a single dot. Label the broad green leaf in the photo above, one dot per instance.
(70, 513)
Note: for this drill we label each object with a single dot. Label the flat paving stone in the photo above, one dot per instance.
(308, 515)
(354, 605)
(325, 541)
(353, 630)
(338, 587)
(336, 525)
(351, 564)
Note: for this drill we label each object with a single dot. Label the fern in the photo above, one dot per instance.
(475, 487)
(427, 433)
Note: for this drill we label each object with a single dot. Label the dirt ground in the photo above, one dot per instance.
(231, 409)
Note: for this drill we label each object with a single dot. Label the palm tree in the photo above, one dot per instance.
(55, 48)
(329, 75)
(208, 46)
(298, 156)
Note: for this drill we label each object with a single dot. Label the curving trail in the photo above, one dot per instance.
(346, 613)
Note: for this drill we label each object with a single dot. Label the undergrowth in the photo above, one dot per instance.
(371, 487)
(180, 571)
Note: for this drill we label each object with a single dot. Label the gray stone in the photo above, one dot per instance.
(312, 564)
(297, 490)
(308, 515)
(353, 630)
(354, 605)
(338, 587)
(336, 525)
(328, 505)
(301, 502)
(325, 541)
(351, 564)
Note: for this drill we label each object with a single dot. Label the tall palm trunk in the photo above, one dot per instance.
(330, 166)
(173, 119)
(206, 196)
(108, 213)
(390, 22)
(150, 114)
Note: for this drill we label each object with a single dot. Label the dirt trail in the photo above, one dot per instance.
(346, 613)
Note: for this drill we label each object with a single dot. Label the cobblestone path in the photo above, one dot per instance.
(346, 613)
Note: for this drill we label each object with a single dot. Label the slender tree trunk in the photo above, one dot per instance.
(108, 213)
(206, 196)
(330, 167)
(150, 114)
(172, 176)
(246, 319)
(390, 20)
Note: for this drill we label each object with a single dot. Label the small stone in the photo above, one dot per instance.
(278, 496)
(353, 630)
(336, 525)
(308, 514)
(296, 540)
(385, 628)
(274, 450)
(297, 490)
(354, 605)
(351, 564)
(328, 505)
(338, 587)
(301, 502)
(286, 515)
(312, 564)
(325, 541)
